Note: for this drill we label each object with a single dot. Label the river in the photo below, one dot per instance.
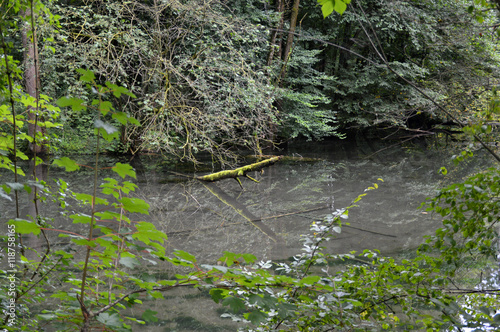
(319, 178)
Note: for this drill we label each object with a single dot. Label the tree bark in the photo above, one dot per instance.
(280, 7)
(32, 81)
(291, 32)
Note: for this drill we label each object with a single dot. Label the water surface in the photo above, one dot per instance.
(206, 220)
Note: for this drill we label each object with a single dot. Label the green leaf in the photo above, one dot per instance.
(110, 215)
(80, 218)
(438, 303)
(110, 247)
(120, 117)
(157, 295)
(4, 194)
(107, 127)
(221, 268)
(129, 262)
(48, 124)
(185, 256)
(326, 7)
(309, 280)
(105, 107)
(359, 198)
(23, 226)
(355, 303)
(284, 309)
(265, 301)
(235, 304)
(134, 121)
(150, 316)
(132, 204)
(218, 294)
(124, 170)
(340, 6)
(138, 321)
(69, 164)
(249, 258)
(485, 310)
(256, 317)
(118, 90)
(89, 199)
(87, 75)
(76, 104)
(15, 185)
(46, 316)
(112, 320)
(228, 258)
(146, 232)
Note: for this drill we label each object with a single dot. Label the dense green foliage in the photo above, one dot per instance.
(200, 77)
(164, 76)
(197, 89)
(435, 45)
(217, 78)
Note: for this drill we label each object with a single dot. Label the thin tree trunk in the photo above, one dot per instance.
(276, 46)
(31, 79)
(284, 5)
(291, 32)
(280, 7)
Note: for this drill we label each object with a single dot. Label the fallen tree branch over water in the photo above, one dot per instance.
(238, 172)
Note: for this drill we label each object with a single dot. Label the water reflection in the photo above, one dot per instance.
(265, 218)
(289, 196)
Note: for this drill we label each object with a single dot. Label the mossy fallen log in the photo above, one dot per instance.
(239, 172)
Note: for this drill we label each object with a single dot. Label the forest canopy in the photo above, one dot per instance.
(251, 74)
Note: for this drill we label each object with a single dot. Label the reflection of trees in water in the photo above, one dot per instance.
(241, 210)
(207, 223)
(198, 221)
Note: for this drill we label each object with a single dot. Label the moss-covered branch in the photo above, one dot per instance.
(241, 171)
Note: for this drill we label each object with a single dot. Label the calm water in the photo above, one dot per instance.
(207, 220)
(387, 218)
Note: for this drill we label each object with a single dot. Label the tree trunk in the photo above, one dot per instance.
(32, 82)
(280, 7)
(291, 32)
(277, 45)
